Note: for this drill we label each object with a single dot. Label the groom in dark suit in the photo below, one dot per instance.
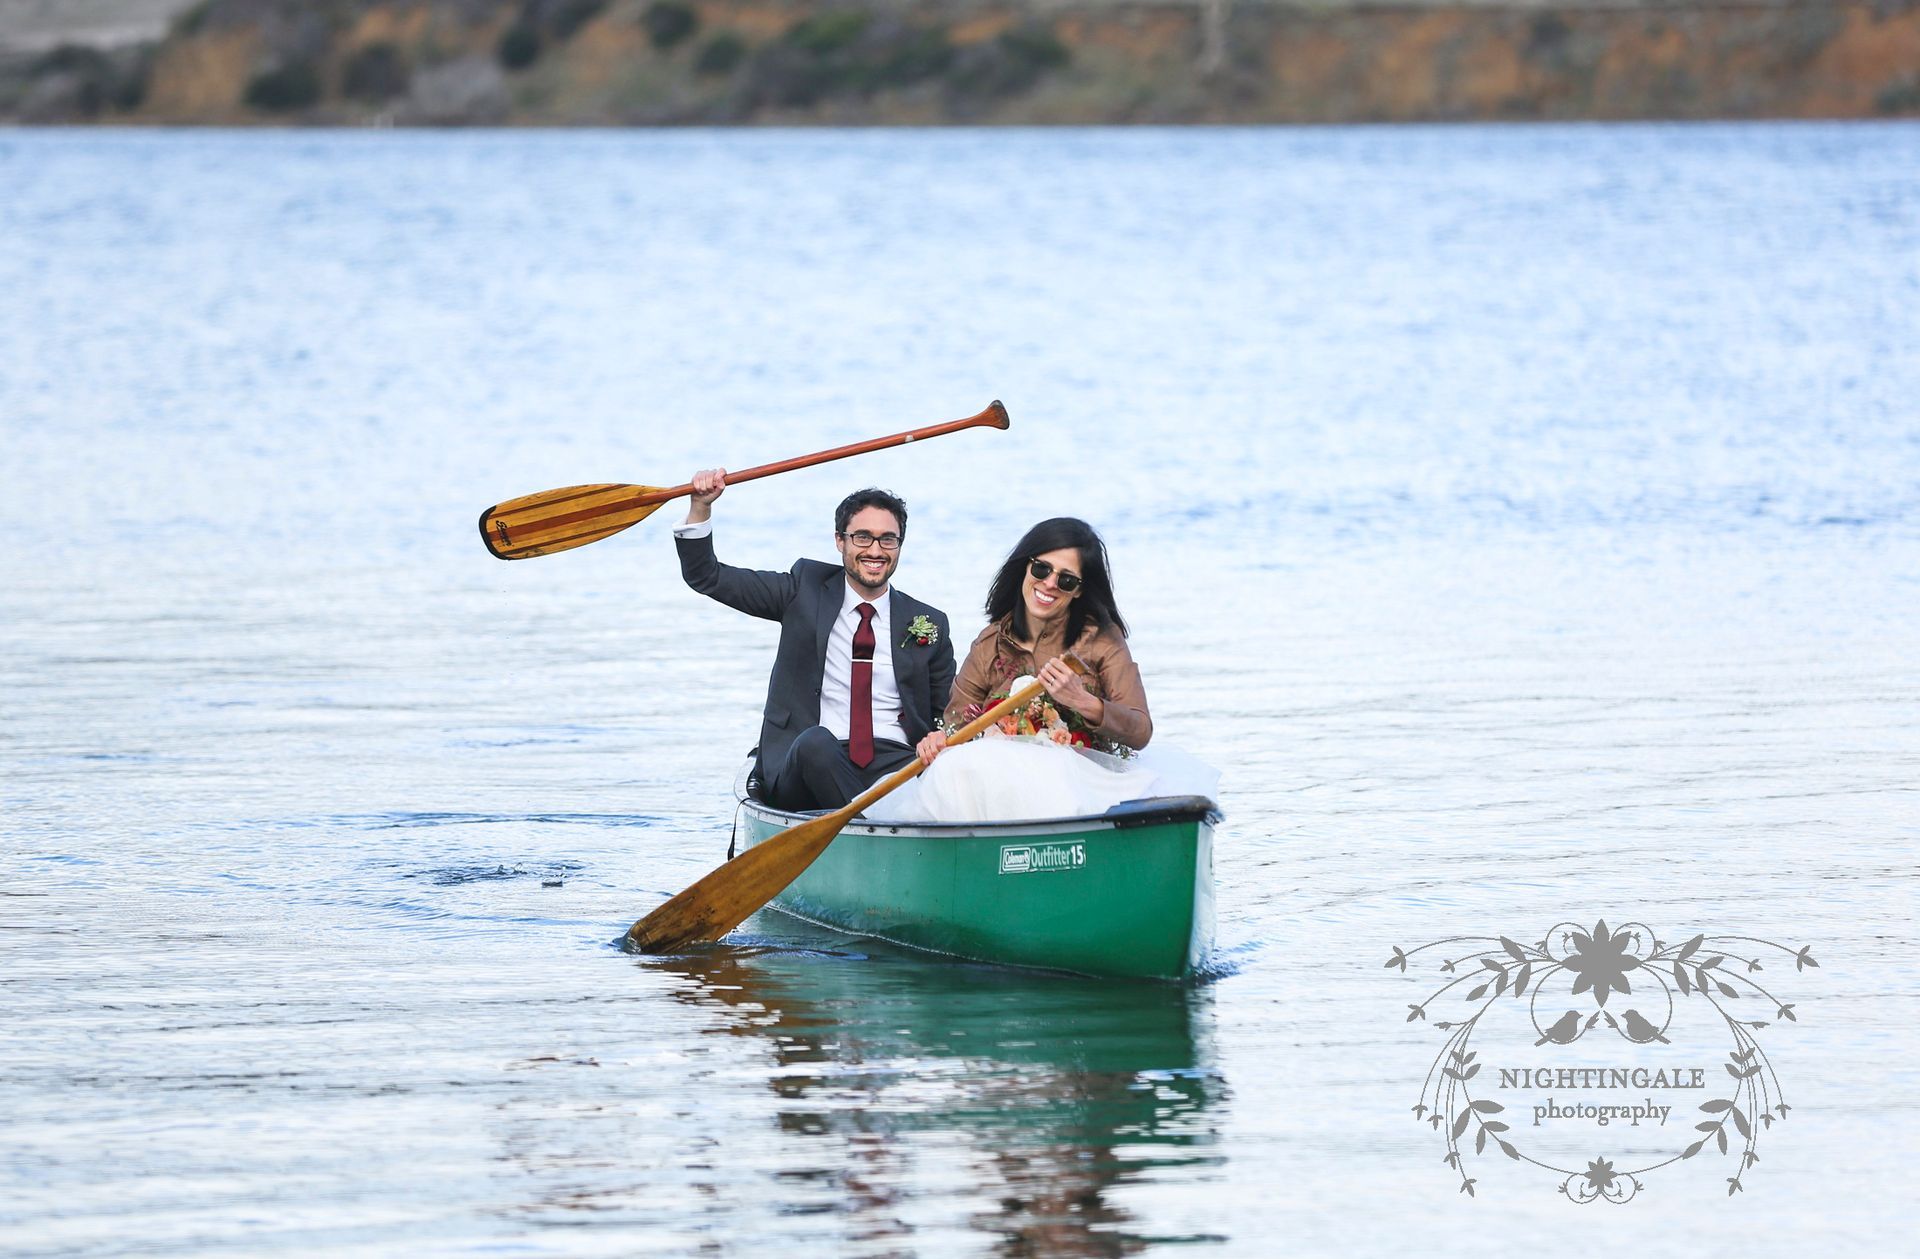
(862, 672)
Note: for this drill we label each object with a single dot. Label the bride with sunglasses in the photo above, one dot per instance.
(1075, 754)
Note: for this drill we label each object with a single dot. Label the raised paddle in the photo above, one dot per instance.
(559, 520)
(721, 900)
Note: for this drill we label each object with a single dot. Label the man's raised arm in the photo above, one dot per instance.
(753, 591)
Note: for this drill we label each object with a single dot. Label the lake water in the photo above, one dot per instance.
(1526, 521)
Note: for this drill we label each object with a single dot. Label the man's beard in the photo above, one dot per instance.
(858, 575)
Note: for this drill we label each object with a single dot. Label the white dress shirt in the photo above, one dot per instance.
(836, 685)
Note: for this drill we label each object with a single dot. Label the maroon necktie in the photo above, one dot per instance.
(860, 711)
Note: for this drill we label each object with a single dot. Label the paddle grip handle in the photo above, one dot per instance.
(995, 416)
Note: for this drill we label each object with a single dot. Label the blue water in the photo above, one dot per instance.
(1526, 521)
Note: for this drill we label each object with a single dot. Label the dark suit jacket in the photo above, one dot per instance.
(805, 599)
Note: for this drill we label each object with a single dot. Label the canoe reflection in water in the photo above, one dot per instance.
(919, 1098)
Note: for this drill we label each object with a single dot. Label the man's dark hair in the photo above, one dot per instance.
(860, 500)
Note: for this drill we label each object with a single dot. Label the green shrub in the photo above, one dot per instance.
(375, 74)
(564, 17)
(1034, 48)
(721, 55)
(519, 46)
(194, 19)
(1899, 98)
(824, 34)
(89, 72)
(844, 53)
(130, 87)
(1801, 34)
(669, 22)
(295, 85)
(74, 59)
(1547, 39)
(915, 55)
(1005, 66)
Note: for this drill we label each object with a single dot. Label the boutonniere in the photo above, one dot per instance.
(921, 630)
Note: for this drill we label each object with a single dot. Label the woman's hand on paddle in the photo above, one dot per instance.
(932, 746)
(708, 484)
(1069, 689)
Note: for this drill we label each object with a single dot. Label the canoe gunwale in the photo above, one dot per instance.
(1149, 811)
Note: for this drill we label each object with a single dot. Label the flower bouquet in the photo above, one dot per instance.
(1044, 720)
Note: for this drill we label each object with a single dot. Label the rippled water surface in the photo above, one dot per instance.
(1527, 522)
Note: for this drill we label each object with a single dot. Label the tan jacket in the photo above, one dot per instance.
(995, 660)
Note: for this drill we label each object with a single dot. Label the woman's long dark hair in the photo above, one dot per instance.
(1093, 603)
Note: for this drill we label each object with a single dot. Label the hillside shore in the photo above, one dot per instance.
(669, 62)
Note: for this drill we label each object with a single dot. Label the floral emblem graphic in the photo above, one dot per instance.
(921, 630)
(1571, 966)
(1602, 962)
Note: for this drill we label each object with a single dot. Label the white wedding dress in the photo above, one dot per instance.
(998, 778)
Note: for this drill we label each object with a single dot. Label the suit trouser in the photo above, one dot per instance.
(818, 773)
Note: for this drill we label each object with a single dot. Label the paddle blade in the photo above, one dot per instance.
(724, 898)
(559, 520)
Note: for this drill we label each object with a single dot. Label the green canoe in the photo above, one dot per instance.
(1126, 893)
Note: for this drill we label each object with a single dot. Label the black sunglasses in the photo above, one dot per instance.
(1041, 570)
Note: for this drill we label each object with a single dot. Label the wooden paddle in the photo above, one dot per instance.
(559, 520)
(721, 900)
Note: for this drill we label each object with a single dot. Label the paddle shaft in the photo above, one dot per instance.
(994, 416)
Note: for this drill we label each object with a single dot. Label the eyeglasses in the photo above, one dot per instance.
(861, 538)
(1041, 570)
